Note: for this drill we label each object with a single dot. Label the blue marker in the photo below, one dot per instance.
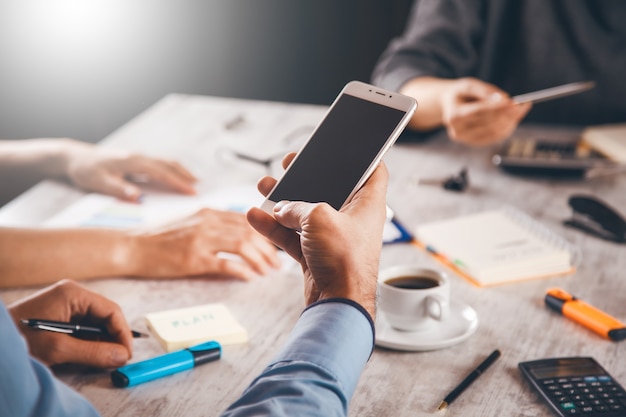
(167, 364)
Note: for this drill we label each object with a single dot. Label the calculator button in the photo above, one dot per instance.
(616, 407)
(590, 379)
(568, 405)
(587, 410)
(548, 381)
(604, 378)
(601, 408)
(567, 386)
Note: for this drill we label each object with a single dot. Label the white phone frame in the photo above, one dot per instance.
(375, 95)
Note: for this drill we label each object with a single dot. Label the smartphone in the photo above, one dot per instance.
(554, 92)
(576, 385)
(345, 147)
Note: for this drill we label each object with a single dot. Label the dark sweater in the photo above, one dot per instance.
(520, 46)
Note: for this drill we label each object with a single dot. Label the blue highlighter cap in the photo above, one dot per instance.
(168, 364)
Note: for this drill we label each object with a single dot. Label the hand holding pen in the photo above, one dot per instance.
(72, 329)
(69, 302)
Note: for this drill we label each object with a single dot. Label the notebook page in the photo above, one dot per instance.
(492, 247)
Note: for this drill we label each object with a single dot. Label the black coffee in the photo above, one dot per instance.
(413, 283)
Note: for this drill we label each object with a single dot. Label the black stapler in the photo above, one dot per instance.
(597, 218)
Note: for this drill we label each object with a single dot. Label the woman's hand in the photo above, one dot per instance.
(118, 173)
(195, 246)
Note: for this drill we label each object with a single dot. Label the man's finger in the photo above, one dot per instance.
(294, 214)
(479, 90)
(98, 309)
(373, 192)
(282, 237)
(91, 353)
(265, 185)
(288, 158)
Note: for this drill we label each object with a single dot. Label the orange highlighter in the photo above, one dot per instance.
(581, 312)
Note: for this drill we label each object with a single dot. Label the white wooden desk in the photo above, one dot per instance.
(202, 133)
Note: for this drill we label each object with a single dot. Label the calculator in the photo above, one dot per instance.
(530, 156)
(576, 386)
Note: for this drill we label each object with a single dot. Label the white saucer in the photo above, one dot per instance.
(461, 324)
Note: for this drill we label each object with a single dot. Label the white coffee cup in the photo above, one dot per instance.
(413, 298)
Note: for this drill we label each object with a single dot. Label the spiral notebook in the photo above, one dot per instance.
(609, 140)
(498, 246)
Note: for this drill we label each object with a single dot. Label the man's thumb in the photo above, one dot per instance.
(97, 354)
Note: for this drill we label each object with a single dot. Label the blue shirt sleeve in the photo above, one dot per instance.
(27, 387)
(317, 371)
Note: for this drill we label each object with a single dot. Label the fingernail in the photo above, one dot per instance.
(496, 97)
(279, 206)
(131, 192)
(119, 357)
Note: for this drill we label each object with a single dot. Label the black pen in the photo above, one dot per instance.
(70, 328)
(469, 379)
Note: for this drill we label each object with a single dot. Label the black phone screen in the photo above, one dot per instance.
(342, 148)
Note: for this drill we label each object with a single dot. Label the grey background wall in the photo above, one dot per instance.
(82, 68)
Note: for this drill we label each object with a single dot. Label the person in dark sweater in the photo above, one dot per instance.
(463, 60)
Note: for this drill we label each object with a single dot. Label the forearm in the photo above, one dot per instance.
(40, 256)
(317, 370)
(47, 157)
(428, 92)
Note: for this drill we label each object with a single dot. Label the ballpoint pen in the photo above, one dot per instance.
(469, 379)
(581, 312)
(70, 328)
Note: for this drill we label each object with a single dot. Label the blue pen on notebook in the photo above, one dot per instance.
(167, 364)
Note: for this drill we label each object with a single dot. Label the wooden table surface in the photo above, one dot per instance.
(205, 132)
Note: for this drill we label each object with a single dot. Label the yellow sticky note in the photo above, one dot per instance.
(185, 327)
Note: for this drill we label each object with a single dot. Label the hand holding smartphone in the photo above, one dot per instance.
(345, 148)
